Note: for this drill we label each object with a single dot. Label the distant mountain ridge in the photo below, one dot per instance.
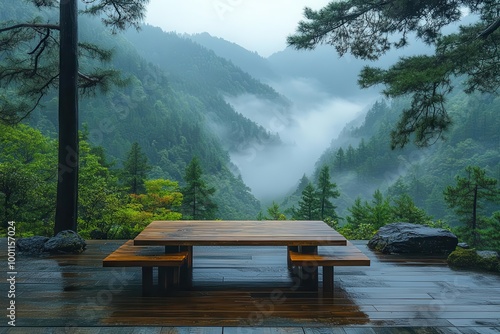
(250, 62)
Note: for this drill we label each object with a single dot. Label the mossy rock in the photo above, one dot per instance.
(470, 259)
(489, 260)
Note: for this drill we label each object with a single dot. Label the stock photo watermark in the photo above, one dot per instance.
(11, 273)
(222, 7)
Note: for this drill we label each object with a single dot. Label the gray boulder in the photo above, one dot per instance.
(487, 255)
(65, 242)
(408, 238)
(32, 245)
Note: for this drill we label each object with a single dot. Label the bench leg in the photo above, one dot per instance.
(328, 281)
(288, 249)
(186, 274)
(147, 281)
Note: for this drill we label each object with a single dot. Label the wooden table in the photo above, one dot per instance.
(301, 236)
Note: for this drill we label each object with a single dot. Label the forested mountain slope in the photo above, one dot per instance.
(170, 114)
(250, 62)
(196, 70)
(361, 160)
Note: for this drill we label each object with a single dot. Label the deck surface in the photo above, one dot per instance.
(249, 290)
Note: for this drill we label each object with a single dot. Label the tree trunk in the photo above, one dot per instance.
(67, 187)
(474, 217)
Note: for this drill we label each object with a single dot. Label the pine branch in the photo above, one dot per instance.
(31, 25)
(490, 29)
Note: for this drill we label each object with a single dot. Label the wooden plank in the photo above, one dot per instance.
(128, 255)
(341, 256)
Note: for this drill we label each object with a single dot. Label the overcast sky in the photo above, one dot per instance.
(257, 25)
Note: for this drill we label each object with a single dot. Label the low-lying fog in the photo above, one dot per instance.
(315, 118)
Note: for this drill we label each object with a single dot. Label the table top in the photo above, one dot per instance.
(239, 233)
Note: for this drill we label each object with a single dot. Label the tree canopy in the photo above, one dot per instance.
(368, 29)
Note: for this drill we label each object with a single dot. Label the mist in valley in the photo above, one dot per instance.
(315, 117)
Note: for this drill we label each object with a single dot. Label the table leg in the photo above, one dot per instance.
(167, 280)
(147, 281)
(162, 280)
(309, 275)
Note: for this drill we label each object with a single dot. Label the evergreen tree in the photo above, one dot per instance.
(135, 169)
(325, 191)
(197, 195)
(368, 29)
(350, 157)
(469, 196)
(308, 205)
(275, 213)
(304, 181)
(381, 213)
(340, 160)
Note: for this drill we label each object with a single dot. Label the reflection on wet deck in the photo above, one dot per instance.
(251, 287)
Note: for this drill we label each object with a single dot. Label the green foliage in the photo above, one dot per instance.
(98, 194)
(405, 210)
(377, 213)
(367, 217)
(162, 198)
(161, 201)
(368, 30)
(362, 231)
(359, 213)
(27, 178)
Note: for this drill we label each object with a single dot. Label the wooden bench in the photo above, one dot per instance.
(128, 255)
(348, 255)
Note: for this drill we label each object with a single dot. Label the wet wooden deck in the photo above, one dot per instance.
(249, 290)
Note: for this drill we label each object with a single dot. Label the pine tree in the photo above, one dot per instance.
(308, 205)
(197, 195)
(135, 169)
(468, 197)
(325, 191)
